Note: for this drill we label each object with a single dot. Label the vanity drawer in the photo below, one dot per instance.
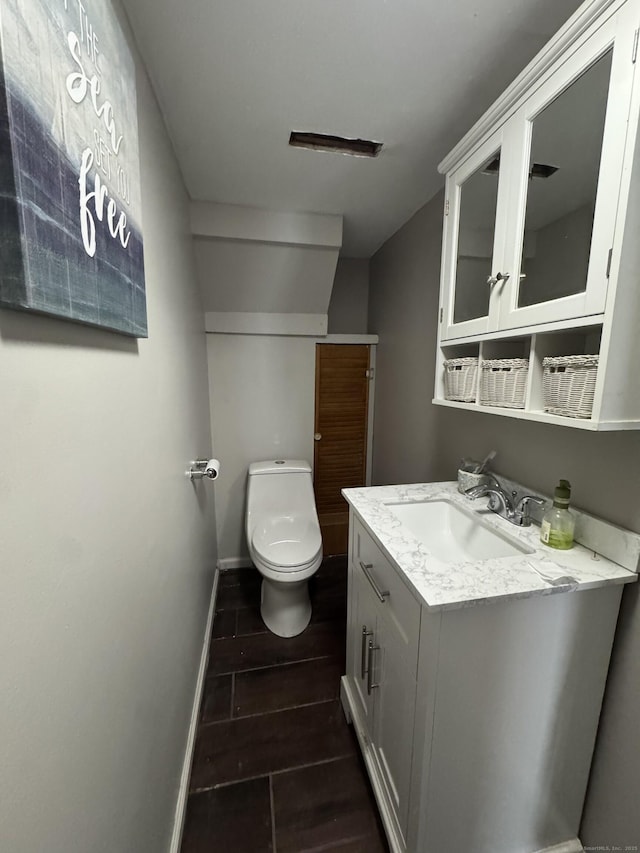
(399, 607)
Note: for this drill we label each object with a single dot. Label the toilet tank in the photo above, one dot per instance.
(280, 487)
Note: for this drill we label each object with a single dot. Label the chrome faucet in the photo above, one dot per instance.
(504, 504)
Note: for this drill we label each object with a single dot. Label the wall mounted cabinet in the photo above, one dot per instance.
(541, 215)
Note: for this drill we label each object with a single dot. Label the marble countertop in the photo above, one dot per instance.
(449, 585)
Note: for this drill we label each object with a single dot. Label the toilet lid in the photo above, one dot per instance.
(288, 542)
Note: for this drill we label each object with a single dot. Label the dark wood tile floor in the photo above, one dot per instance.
(276, 768)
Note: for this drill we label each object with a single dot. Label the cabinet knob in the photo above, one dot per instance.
(317, 436)
(499, 276)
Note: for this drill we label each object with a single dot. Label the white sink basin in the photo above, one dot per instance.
(454, 534)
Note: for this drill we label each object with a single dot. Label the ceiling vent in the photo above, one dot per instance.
(537, 170)
(324, 142)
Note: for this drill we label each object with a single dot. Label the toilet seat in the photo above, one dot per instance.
(287, 543)
(277, 566)
(287, 548)
(275, 569)
(287, 576)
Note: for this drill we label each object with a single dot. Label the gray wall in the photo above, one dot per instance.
(558, 267)
(416, 441)
(262, 391)
(348, 308)
(403, 304)
(107, 551)
(251, 276)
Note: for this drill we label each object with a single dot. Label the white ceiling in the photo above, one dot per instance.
(234, 77)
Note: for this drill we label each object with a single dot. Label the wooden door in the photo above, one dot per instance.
(340, 454)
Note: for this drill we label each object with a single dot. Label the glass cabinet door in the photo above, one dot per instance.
(566, 144)
(568, 186)
(472, 242)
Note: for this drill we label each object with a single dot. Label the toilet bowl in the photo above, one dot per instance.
(285, 544)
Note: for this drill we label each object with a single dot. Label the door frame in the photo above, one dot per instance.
(373, 349)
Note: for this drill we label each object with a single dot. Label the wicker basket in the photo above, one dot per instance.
(504, 382)
(569, 383)
(460, 375)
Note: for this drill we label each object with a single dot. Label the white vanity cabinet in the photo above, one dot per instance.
(476, 724)
(382, 655)
(538, 199)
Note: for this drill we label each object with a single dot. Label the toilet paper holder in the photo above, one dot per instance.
(200, 468)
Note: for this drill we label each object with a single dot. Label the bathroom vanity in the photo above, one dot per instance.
(476, 665)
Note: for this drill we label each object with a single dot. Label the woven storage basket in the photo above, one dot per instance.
(460, 375)
(504, 382)
(569, 383)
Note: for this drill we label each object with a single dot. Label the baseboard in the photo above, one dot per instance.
(181, 804)
(234, 563)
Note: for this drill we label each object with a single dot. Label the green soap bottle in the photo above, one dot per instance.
(558, 524)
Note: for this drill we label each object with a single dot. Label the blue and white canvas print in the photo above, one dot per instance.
(70, 209)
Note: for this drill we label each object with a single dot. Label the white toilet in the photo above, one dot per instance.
(284, 541)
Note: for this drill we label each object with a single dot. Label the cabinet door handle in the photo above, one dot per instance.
(499, 276)
(382, 594)
(364, 660)
(370, 685)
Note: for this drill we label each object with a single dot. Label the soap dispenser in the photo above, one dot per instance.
(558, 524)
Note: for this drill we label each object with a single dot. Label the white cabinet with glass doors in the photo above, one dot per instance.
(535, 206)
(542, 210)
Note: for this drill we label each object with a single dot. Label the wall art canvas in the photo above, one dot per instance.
(70, 208)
